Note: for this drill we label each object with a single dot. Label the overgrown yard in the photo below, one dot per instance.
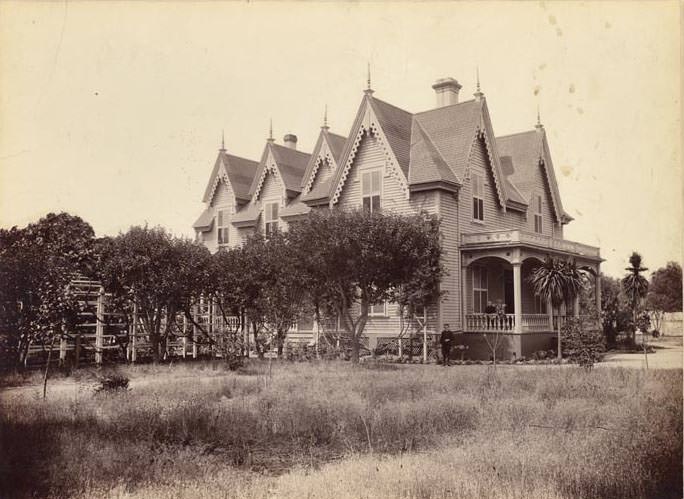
(331, 430)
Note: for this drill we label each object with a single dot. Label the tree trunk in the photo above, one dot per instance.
(355, 349)
(558, 329)
(280, 341)
(47, 368)
(155, 344)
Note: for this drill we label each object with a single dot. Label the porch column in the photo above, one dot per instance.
(549, 311)
(517, 296)
(598, 291)
(575, 307)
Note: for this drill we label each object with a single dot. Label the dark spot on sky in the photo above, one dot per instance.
(97, 93)
(559, 32)
(537, 89)
(542, 65)
(552, 19)
(572, 88)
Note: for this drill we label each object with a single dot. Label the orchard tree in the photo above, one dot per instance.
(273, 288)
(615, 314)
(355, 259)
(665, 292)
(37, 264)
(157, 273)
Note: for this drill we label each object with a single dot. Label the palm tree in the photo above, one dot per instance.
(635, 287)
(557, 281)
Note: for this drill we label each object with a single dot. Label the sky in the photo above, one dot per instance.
(114, 111)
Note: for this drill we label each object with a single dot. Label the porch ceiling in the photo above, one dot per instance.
(538, 244)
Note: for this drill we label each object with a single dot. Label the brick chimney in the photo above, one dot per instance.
(446, 91)
(290, 141)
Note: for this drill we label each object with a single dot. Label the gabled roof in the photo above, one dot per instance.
(205, 222)
(522, 154)
(427, 165)
(294, 209)
(396, 124)
(240, 172)
(452, 130)
(335, 144)
(291, 165)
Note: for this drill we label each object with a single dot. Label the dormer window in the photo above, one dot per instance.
(538, 214)
(478, 198)
(270, 218)
(371, 190)
(223, 227)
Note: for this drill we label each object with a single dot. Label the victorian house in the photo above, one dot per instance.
(497, 197)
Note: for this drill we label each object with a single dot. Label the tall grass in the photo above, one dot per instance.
(330, 430)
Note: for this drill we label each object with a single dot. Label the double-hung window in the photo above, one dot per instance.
(371, 190)
(480, 289)
(223, 227)
(538, 214)
(270, 218)
(378, 310)
(478, 198)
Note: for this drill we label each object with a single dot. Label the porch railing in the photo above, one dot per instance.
(490, 322)
(483, 323)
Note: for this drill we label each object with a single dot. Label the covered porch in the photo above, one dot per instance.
(498, 296)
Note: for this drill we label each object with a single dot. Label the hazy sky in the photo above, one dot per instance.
(114, 111)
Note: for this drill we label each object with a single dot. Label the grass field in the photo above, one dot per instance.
(330, 430)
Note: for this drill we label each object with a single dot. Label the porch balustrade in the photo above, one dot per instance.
(491, 322)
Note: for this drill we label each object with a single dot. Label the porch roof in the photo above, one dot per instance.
(519, 238)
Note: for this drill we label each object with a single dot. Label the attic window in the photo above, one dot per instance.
(371, 190)
(270, 218)
(538, 214)
(223, 227)
(478, 198)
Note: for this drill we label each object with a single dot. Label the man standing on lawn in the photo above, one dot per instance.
(445, 339)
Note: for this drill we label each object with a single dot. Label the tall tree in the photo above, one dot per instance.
(156, 272)
(355, 259)
(559, 281)
(665, 291)
(635, 287)
(37, 264)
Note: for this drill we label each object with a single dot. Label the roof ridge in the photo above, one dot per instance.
(392, 105)
(445, 107)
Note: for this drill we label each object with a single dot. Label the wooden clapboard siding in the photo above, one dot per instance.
(323, 174)
(541, 187)
(370, 155)
(224, 198)
(450, 306)
(494, 217)
(272, 190)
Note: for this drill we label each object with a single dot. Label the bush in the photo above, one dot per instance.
(583, 345)
(112, 383)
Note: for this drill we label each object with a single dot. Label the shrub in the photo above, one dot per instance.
(113, 383)
(583, 345)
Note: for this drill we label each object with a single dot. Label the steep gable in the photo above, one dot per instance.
(323, 165)
(395, 143)
(289, 164)
(527, 156)
(238, 172)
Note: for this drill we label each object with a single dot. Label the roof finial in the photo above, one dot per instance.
(368, 90)
(325, 118)
(223, 142)
(478, 93)
(270, 131)
(539, 125)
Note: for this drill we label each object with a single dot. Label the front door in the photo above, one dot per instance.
(509, 299)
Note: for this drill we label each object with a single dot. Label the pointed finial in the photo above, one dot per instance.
(368, 90)
(478, 93)
(539, 125)
(270, 131)
(223, 142)
(325, 118)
